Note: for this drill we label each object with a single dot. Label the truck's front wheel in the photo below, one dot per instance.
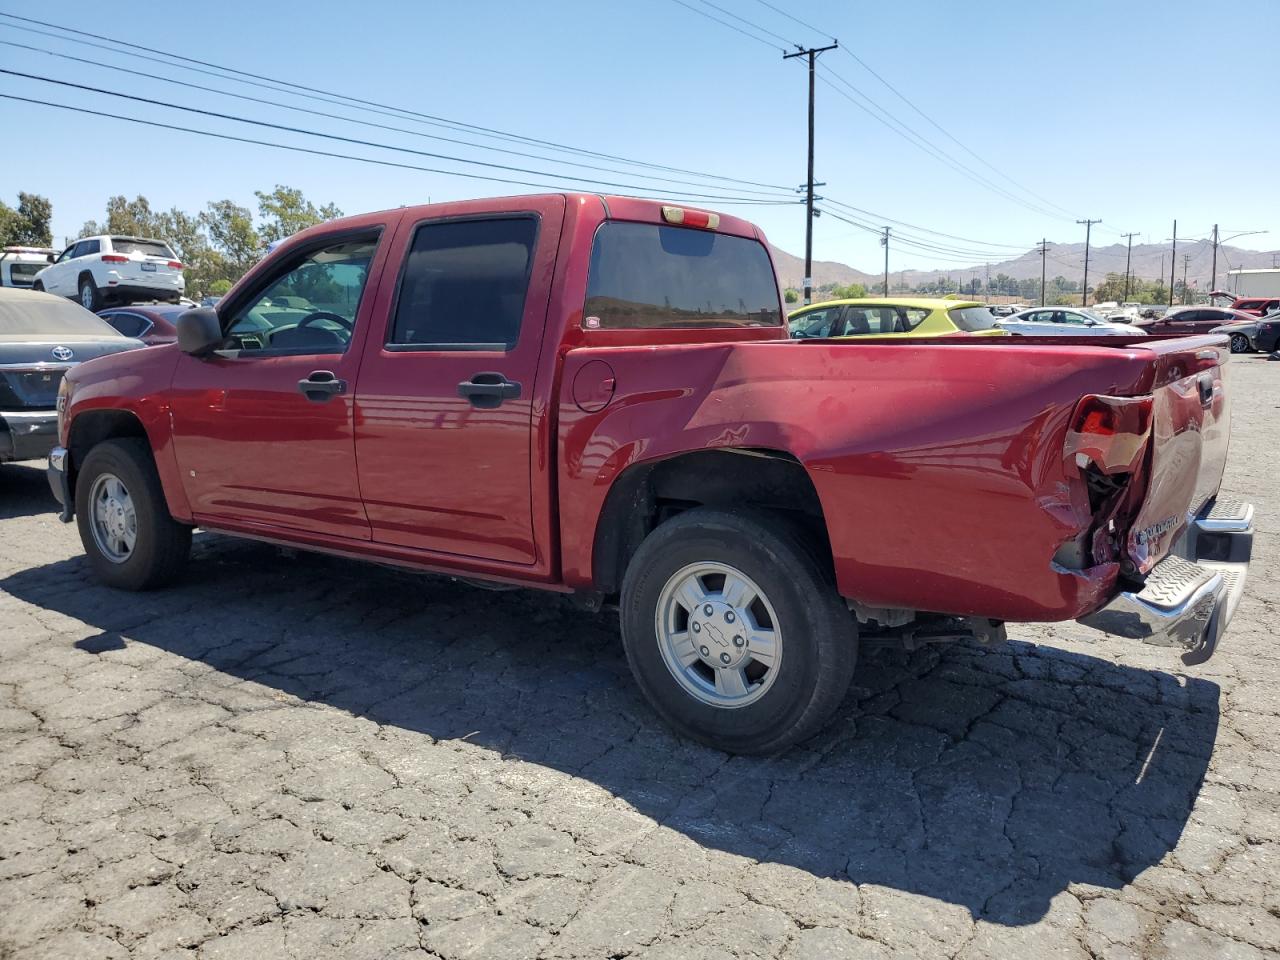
(129, 537)
(734, 631)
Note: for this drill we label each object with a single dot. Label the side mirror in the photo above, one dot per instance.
(51, 257)
(199, 331)
(1091, 323)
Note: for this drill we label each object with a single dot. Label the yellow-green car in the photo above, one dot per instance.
(893, 317)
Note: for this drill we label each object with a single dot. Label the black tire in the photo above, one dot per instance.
(93, 301)
(1240, 343)
(38, 286)
(819, 634)
(162, 545)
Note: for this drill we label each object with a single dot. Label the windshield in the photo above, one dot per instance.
(149, 248)
(644, 275)
(31, 315)
(972, 318)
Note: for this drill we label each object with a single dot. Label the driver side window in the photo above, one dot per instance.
(309, 308)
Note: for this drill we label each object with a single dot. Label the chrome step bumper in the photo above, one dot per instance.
(1191, 595)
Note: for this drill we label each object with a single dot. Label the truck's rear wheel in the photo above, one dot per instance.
(734, 631)
(129, 537)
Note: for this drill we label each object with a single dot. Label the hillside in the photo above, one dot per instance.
(1150, 261)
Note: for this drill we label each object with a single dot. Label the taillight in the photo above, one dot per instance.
(1109, 432)
(691, 218)
(175, 264)
(114, 258)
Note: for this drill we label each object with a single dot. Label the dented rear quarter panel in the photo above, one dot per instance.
(939, 467)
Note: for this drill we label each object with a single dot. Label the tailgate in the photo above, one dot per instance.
(1190, 429)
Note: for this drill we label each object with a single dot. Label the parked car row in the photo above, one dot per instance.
(599, 396)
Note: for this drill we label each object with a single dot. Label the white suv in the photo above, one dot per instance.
(97, 270)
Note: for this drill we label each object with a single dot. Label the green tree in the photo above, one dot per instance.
(232, 236)
(28, 225)
(791, 295)
(132, 218)
(284, 211)
(852, 291)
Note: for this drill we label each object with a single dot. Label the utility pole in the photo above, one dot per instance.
(1186, 259)
(1088, 226)
(812, 54)
(1128, 258)
(1173, 267)
(884, 241)
(986, 298)
(1044, 252)
(1213, 277)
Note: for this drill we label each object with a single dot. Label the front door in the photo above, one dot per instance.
(445, 398)
(263, 428)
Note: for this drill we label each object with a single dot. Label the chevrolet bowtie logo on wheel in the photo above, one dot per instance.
(62, 353)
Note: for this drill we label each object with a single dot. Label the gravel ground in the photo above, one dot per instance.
(294, 756)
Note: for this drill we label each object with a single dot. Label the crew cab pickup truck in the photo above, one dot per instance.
(597, 395)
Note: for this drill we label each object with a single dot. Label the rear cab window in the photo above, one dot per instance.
(651, 276)
(971, 319)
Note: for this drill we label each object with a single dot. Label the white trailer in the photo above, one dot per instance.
(1254, 283)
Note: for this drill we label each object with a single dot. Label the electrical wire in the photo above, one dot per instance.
(334, 116)
(316, 94)
(726, 23)
(355, 141)
(311, 151)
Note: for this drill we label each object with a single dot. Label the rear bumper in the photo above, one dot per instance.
(131, 293)
(1191, 595)
(27, 434)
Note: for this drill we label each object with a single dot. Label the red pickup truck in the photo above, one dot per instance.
(597, 395)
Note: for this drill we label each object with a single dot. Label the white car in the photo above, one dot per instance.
(19, 265)
(114, 269)
(1065, 322)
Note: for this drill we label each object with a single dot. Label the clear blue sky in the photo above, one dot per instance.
(1134, 112)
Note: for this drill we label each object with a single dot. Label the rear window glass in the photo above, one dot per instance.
(645, 275)
(148, 248)
(972, 318)
(24, 314)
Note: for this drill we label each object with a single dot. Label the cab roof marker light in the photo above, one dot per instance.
(691, 218)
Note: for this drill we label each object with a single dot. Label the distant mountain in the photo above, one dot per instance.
(1150, 262)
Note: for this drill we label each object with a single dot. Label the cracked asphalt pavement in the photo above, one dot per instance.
(298, 756)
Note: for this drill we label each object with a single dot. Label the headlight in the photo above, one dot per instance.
(64, 401)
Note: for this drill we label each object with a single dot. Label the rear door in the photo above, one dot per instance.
(263, 429)
(444, 401)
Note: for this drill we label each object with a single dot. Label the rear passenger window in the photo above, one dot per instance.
(644, 275)
(129, 324)
(464, 285)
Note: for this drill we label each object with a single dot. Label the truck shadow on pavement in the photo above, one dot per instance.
(990, 779)
(24, 491)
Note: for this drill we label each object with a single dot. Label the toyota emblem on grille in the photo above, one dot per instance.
(62, 353)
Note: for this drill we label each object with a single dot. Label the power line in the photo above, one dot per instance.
(355, 141)
(311, 151)
(917, 141)
(726, 23)
(914, 107)
(751, 23)
(324, 96)
(936, 233)
(334, 116)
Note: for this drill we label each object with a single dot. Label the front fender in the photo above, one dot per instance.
(137, 384)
